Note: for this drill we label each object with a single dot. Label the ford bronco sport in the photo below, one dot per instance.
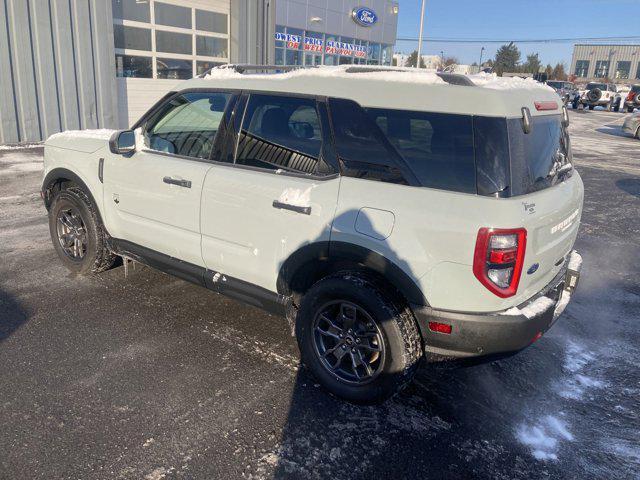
(390, 215)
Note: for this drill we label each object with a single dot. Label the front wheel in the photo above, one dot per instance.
(77, 234)
(359, 344)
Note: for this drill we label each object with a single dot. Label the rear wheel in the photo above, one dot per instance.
(591, 107)
(360, 345)
(77, 234)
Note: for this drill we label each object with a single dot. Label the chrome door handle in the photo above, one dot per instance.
(178, 182)
(293, 208)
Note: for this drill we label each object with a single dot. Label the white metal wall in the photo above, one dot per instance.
(57, 68)
(611, 53)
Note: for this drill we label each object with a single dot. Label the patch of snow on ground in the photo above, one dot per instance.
(544, 437)
(100, 134)
(21, 146)
(576, 384)
(494, 82)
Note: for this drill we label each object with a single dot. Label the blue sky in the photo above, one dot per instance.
(516, 19)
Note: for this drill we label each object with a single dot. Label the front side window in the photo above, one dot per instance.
(437, 147)
(187, 124)
(582, 68)
(280, 133)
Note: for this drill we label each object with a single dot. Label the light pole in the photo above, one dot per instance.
(480, 64)
(419, 59)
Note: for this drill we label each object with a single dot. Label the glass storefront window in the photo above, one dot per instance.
(602, 69)
(623, 69)
(132, 37)
(293, 57)
(374, 54)
(172, 15)
(211, 46)
(131, 10)
(582, 68)
(174, 69)
(279, 60)
(171, 42)
(211, 21)
(129, 66)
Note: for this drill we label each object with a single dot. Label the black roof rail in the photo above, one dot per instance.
(247, 67)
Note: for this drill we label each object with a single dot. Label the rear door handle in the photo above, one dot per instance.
(293, 208)
(177, 181)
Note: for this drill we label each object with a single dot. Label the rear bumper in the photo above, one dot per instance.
(478, 335)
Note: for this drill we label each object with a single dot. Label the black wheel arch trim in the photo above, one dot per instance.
(65, 174)
(324, 255)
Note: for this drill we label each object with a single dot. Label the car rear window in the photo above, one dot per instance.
(437, 147)
(601, 86)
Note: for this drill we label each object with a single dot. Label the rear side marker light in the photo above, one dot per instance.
(440, 327)
(545, 106)
(498, 259)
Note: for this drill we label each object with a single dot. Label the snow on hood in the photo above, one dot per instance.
(101, 134)
(494, 82)
(410, 75)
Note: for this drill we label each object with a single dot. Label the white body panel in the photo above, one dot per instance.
(141, 208)
(434, 234)
(245, 237)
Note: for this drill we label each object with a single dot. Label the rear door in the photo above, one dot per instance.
(155, 193)
(279, 193)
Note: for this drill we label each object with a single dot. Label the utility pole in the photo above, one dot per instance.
(419, 59)
(480, 64)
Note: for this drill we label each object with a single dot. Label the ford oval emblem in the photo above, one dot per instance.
(364, 16)
(533, 269)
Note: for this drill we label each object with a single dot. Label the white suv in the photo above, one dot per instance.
(388, 214)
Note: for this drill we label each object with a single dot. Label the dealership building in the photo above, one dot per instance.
(619, 63)
(83, 64)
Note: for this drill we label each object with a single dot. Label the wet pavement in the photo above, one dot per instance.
(152, 377)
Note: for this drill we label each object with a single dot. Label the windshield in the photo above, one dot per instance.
(601, 86)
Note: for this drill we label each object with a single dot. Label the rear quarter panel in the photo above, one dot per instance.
(434, 234)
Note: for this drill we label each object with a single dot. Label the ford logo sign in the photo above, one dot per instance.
(364, 16)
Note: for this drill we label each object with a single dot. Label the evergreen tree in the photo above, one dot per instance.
(413, 60)
(559, 73)
(533, 64)
(507, 59)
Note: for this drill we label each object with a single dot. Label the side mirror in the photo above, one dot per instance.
(565, 116)
(123, 142)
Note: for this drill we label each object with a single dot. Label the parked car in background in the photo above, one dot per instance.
(567, 91)
(632, 100)
(600, 95)
(632, 126)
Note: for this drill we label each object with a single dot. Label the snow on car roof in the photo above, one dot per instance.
(392, 87)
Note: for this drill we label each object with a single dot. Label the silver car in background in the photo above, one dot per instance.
(632, 125)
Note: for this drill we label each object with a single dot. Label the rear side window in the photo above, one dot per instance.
(280, 133)
(187, 124)
(361, 146)
(437, 147)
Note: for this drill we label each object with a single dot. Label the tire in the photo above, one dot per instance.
(576, 103)
(384, 337)
(630, 109)
(77, 233)
(591, 107)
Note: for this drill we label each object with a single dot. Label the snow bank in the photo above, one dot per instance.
(101, 134)
(543, 439)
(494, 82)
(407, 75)
(23, 146)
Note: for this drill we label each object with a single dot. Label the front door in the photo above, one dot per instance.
(278, 196)
(154, 194)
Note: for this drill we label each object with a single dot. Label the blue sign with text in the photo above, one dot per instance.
(364, 16)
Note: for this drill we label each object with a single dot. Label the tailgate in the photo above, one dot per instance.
(552, 226)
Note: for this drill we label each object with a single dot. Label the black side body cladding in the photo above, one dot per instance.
(228, 286)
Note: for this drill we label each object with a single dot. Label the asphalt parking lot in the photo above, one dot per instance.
(151, 377)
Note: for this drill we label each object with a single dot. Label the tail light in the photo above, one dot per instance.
(630, 97)
(498, 259)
